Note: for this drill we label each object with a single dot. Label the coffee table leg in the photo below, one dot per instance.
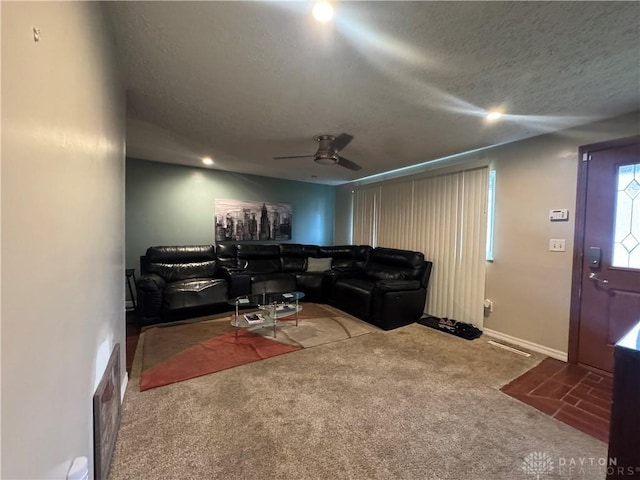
(296, 311)
(235, 320)
(275, 319)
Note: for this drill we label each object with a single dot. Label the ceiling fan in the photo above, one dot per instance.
(328, 150)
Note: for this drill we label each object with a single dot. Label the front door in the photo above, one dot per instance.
(606, 281)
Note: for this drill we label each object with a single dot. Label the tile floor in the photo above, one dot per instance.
(569, 393)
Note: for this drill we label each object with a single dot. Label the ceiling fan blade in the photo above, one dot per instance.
(295, 156)
(341, 141)
(343, 162)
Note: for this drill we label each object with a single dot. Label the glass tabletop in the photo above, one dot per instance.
(256, 299)
(271, 308)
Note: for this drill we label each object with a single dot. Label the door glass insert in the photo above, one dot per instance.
(626, 237)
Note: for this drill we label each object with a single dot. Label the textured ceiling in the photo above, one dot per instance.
(243, 82)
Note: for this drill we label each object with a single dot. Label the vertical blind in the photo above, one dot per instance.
(445, 218)
(364, 216)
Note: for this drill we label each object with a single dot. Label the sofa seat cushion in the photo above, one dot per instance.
(309, 280)
(194, 292)
(397, 285)
(273, 283)
(312, 284)
(354, 295)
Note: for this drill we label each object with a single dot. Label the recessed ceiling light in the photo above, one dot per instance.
(322, 11)
(494, 115)
(207, 161)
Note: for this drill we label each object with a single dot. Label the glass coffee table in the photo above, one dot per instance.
(271, 307)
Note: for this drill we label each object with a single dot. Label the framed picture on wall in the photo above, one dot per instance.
(240, 220)
(106, 414)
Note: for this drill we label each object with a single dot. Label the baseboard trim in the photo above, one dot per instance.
(123, 386)
(534, 347)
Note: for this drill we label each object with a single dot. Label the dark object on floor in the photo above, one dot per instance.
(454, 327)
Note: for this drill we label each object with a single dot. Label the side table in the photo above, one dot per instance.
(130, 273)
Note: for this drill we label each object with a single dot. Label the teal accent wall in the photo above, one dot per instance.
(174, 205)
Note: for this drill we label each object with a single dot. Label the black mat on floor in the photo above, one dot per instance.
(453, 327)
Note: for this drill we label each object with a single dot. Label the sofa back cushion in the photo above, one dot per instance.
(259, 258)
(181, 262)
(293, 256)
(361, 255)
(227, 254)
(341, 255)
(394, 264)
(345, 256)
(173, 272)
(187, 253)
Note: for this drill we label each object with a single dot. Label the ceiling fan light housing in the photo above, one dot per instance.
(326, 158)
(325, 154)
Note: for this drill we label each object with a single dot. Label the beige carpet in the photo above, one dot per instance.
(317, 325)
(412, 403)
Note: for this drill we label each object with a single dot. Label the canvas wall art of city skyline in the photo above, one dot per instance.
(239, 220)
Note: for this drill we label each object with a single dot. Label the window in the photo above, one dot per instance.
(626, 237)
(442, 216)
(491, 204)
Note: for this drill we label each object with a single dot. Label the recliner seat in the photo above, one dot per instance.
(179, 278)
(390, 291)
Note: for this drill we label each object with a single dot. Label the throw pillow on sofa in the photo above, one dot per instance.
(318, 264)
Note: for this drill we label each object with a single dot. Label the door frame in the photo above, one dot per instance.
(578, 237)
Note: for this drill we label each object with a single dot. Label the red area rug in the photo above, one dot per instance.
(212, 355)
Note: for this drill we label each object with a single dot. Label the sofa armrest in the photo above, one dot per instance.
(336, 274)
(397, 285)
(227, 271)
(332, 276)
(239, 281)
(150, 289)
(150, 283)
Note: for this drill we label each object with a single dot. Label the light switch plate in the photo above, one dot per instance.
(559, 215)
(557, 245)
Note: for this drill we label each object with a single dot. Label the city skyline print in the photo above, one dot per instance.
(239, 220)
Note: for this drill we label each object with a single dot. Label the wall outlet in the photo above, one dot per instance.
(488, 305)
(557, 245)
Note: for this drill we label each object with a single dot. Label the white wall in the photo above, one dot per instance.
(62, 201)
(530, 286)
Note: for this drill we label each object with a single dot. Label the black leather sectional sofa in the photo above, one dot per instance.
(383, 286)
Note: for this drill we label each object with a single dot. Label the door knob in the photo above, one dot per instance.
(593, 276)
